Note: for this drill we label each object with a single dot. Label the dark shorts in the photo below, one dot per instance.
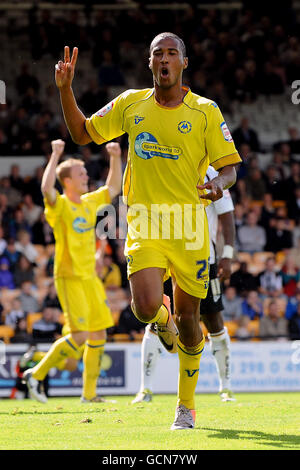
(213, 301)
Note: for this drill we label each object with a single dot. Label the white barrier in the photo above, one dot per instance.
(256, 367)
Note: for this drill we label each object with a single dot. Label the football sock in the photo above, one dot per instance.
(189, 362)
(161, 316)
(220, 344)
(151, 349)
(62, 348)
(92, 356)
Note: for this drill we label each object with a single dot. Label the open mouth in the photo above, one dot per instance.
(164, 72)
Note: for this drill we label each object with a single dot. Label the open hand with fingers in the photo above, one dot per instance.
(216, 191)
(64, 70)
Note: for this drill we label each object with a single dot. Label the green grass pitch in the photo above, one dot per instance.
(256, 421)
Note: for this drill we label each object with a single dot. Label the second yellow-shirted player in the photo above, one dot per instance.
(72, 216)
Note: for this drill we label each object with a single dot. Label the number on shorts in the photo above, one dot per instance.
(203, 264)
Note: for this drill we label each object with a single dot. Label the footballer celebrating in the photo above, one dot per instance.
(174, 135)
(72, 216)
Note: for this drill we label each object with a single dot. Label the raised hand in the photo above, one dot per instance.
(64, 71)
(113, 149)
(58, 147)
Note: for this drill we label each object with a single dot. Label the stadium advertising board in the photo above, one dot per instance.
(256, 367)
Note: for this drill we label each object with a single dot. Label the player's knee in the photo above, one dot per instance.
(145, 309)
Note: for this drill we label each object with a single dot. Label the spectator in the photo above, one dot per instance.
(290, 274)
(294, 206)
(42, 233)
(47, 329)
(269, 280)
(273, 326)
(279, 234)
(267, 212)
(18, 224)
(245, 135)
(252, 306)
(12, 254)
(16, 181)
(232, 304)
(6, 277)
(255, 184)
(292, 305)
(21, 334)
(25, 80)
(294, 324)
(274, 183)
(30, 210)
(24, 271)
(243, 331)
(3, 243)
(28, 302)
(51, 299)
(294, 141)
(25, 246)
(251, 236)
(15, 314)
(14, 197)
(243, 280)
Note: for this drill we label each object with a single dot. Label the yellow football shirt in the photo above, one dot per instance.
(74, 231)
(169, 148)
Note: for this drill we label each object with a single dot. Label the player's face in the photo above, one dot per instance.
(167, 62)
(79, 179)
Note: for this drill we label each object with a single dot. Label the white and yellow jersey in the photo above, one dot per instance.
(169, 148)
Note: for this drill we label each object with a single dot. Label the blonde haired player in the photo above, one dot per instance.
(72, 216)
(174, 135)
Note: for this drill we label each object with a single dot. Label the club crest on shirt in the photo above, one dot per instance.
(185, 127)
(225, 132)
(103, 111)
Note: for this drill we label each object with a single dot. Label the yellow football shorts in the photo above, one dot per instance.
(84, 304)
(189, 267)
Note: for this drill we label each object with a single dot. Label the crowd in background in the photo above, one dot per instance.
(232, 60)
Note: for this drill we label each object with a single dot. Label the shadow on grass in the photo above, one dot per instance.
(284, 441)
(54, 412)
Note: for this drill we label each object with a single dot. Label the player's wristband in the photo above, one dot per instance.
(227, 252)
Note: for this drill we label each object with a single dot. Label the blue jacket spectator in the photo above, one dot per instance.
(251, 306)
(6, 277)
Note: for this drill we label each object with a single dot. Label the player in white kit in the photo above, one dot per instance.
(211, 307)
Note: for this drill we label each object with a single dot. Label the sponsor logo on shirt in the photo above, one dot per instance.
(146, 147)
(185, 127)
(226, 132)
(80, 225)
(103, 111)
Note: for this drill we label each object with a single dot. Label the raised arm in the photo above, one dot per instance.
(114, 177)
(49, 176)
(225, 179)
(74, 118)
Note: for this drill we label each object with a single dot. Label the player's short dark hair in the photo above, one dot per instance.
(169, 35)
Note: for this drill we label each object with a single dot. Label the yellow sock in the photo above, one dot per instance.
(92, 356)
(38, 356)
(161, 316)
(62, 348)
(189, 362)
